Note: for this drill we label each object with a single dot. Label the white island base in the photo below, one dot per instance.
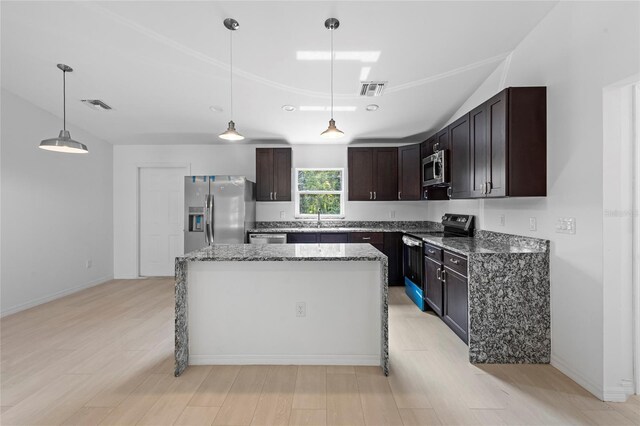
(242, 312)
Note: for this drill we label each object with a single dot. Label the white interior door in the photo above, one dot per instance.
(161, 219)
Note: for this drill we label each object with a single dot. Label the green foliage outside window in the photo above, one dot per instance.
(319, 191)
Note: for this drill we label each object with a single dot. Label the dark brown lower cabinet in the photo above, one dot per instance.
(433, 285)
(302, 238)
(456, 303)
(331, 237)
(392, 247)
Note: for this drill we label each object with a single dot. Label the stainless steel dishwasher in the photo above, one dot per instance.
(267, 238)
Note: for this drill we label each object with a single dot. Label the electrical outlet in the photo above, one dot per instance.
(301, 309)
(282, 215)
(566, 225)
(392, 214)
(89, 263)
(502, 220)
(533, 224)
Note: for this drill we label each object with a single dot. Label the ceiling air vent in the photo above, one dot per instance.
(372, 88)
(96, 104)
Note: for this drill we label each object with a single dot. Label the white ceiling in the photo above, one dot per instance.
(161, 65)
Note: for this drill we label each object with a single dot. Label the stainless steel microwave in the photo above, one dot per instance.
(434, 169)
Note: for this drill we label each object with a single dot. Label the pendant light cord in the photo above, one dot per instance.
(231, 70)
(64, 100)
(332, 30)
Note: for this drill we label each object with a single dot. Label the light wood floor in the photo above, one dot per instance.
(105, 356)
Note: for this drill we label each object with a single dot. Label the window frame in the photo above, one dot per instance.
(297, 193)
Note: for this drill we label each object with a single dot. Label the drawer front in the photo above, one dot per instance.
(366, 237)
(331, 237)
(433, 252)
(302, 238)
(456, 262)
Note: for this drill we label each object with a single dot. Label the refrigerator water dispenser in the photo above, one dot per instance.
(196, 219)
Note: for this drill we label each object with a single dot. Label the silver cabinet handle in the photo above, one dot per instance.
(438, 274)
(374, 195)
(431, 251)
(454, 261)
(482, 189)
(399, 197)
(443, 277)
(489, 187)
(366, 238)
(275, 195)
(271, 195)
(370, 195)
(449, 191)
(425, 194)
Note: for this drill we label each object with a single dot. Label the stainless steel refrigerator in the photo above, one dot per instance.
(218, 209)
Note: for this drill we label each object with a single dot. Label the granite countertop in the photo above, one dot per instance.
(469, 245)
(285, 252)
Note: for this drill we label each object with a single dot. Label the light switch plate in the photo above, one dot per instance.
(566, 225)
(533, 224)
(502, 220)
(281, 215)
(392, 214)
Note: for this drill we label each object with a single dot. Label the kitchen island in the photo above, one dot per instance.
(297, 304)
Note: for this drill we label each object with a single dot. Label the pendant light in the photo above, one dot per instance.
(64, 143)
(332, 131)
(231, 134)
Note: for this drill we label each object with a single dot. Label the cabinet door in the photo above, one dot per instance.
(460, 157)
(497, 145)
(282, 174)
(360, 174)
(392, 247)
(385, 173)
(409, 165)
(442, 139)
(455, 303)
(333, 237)
(434, 292)
(264, 174)
(479, 151)
(302, 238)
(428, 146)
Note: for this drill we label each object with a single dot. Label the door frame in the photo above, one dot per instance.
(636, 236)
(139, 166)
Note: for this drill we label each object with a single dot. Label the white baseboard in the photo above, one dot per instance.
(40, 300)
(618, 393)
(577, 377)
(284, 360)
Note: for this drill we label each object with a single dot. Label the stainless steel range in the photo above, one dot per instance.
(455, 226)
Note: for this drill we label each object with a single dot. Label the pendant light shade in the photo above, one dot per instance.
(64, 143)
(231, 134)
(332, 131)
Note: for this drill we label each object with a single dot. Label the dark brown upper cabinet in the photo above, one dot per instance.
(441, 140)
(460, 157)
(409, 166)
(373, 174)
(273, 174)
(500, 148)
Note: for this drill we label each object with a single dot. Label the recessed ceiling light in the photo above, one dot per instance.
(372, 107)
(288, 108)
(215, 108)
(96, 104)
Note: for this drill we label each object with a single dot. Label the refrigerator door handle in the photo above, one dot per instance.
(211, 219)
(206, 220)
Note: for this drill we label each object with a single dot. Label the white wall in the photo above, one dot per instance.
(56, 209)
(576, 51)
(225, 159)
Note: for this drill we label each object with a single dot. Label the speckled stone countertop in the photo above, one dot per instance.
(275, 252)
(508, 289)
(285, 252)
(344, 226)
(467, 246)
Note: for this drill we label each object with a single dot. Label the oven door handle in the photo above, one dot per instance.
(411, 242)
